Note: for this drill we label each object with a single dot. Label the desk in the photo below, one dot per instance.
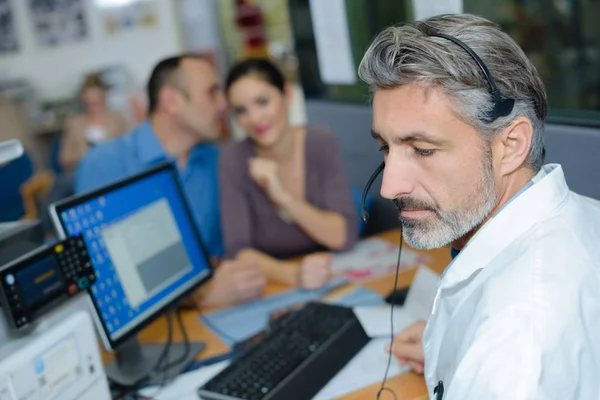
(408, 386)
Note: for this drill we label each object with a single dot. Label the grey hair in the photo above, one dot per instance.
(406, 54)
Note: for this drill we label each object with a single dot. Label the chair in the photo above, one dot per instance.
(33, 193)
(55, 154)
(12, 176)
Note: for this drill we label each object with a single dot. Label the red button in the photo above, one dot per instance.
(72, 288)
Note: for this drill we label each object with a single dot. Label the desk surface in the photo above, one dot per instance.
(407, 386)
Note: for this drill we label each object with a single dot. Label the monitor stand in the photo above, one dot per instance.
(134, 362)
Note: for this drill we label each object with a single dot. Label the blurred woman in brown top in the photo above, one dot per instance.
(283, 191)
(97, 124)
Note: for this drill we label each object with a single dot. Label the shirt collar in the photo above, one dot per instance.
(149, 147)
(549, 185)
(151, 150)
(455, 252)
(201, 152)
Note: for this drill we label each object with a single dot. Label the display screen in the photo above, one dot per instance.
(143, 246)
(40, 281)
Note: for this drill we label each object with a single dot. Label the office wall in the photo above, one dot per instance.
(576, 148)
(55, 72)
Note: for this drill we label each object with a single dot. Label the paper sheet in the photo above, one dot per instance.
(365, 369)
(419, 302)
(332, 40)
(372, 258)
(428, 8)
(186, 385)
(238, 323)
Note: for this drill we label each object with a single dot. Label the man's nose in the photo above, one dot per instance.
(397, 179)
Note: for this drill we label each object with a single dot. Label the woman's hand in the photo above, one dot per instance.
(266, 175)
(315, 270)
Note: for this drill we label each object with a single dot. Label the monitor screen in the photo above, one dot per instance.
(143, 245)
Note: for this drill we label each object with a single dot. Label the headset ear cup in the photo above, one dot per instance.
(504, 107)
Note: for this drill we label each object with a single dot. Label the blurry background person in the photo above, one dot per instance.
(283, 190)
(97, 124)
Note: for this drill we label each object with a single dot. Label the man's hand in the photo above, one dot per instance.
(315, 271)
(233, 282)
(408, 346)
(266, 175)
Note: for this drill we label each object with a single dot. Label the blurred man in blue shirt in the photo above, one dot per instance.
(186, 104)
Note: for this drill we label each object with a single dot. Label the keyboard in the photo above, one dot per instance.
(293, 361)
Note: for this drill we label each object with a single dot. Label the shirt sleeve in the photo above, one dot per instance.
(507, 360)
(98, 168)
(338, 198)
(236, 222)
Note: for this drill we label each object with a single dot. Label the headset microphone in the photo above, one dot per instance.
(364, 215)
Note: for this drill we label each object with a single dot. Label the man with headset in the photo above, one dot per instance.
(459, 112)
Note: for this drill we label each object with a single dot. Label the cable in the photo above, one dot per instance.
(129, 392)
(186, 340)
(188, 348)
(132, 392)
(387, 368)
(167, 347)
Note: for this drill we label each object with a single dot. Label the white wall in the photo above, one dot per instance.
(56, 72)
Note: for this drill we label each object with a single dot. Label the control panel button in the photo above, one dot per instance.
(83, 282)
(10, 279)
(72, 289)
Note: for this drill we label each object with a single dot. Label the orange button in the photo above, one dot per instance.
(72, 288)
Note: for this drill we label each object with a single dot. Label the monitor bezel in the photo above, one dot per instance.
(57, 208)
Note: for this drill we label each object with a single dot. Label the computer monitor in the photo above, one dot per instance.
(147, 253)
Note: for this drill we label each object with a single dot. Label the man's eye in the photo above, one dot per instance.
(384, 148)
(424, 152)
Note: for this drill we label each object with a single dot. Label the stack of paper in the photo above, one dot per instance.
(365, 369)
(372, 258)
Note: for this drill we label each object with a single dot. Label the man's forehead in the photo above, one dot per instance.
(198, 67)
(410, 108)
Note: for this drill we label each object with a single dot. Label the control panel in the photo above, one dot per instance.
(43, 278)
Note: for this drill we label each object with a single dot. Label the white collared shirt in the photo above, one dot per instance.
(517, 315)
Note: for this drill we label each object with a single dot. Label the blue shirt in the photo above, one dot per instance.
(140, 150)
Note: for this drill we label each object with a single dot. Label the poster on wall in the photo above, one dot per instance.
(332, 39)
(136, 15)
(8, 33)
(58, 22)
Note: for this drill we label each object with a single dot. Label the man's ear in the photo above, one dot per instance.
(169, 99)
(515, 143)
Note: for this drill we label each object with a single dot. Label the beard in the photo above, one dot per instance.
(445, 227)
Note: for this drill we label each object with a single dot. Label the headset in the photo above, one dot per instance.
(502, 107)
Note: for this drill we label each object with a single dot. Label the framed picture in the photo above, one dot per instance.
(8, 32)
(58, 22)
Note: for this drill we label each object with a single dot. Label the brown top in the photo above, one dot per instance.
(74, 144)
(248, 218)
